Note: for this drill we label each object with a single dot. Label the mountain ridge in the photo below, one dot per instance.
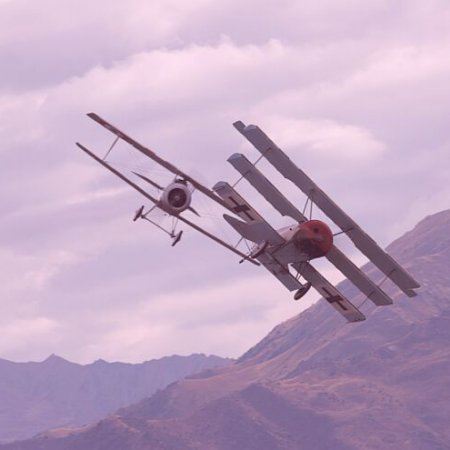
(314, 381)
(36, 396)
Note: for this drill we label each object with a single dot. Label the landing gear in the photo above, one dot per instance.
(176, 238)
(302, 291)
(259, 250)
(140, 214)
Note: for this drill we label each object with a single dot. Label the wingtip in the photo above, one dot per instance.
(410, 293)
(235, 156)
(239, 125)
(219, 185)
(359, 318)
(95, 117)
(228, 218)
(244, 129)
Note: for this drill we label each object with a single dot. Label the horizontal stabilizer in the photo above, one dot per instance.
(255, 228)
(257, 232)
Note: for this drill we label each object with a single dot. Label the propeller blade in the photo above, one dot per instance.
(143, 177)
(194, 211)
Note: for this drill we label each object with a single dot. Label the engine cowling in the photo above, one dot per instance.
(314, 238)
(176, 197)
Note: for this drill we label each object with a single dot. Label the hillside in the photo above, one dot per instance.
(36, 396)
(314, 382)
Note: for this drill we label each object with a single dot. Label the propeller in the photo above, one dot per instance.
(157, 186)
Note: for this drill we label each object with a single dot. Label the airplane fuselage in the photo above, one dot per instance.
(303, 241)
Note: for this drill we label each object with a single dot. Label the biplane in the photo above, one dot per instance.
(287, 252)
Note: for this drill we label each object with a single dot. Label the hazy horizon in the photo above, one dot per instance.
(357, 94)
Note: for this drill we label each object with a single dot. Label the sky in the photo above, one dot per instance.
(356, 92)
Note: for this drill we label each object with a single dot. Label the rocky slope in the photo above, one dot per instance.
(314, 382)
(53, 393)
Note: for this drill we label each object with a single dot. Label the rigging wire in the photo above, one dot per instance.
(379, 285)
(253, 164)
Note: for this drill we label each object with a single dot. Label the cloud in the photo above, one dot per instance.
(179, 320)
(58, 40)
(327, 140)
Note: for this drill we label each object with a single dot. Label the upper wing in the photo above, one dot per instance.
(361, 240)
(152, 155)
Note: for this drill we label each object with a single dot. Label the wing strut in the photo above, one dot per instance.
(361, 240)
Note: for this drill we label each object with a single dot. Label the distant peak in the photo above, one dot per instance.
(100, 362)
(444, 213)
(55, 359)
(429, 236)
(436, 219)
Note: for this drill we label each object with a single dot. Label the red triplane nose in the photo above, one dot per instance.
(314, 238)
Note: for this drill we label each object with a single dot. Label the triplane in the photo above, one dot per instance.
(285, 252)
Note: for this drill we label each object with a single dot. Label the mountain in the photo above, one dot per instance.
(36, 396)
(314, 382)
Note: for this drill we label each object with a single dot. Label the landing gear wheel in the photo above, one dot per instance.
(302, 291)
